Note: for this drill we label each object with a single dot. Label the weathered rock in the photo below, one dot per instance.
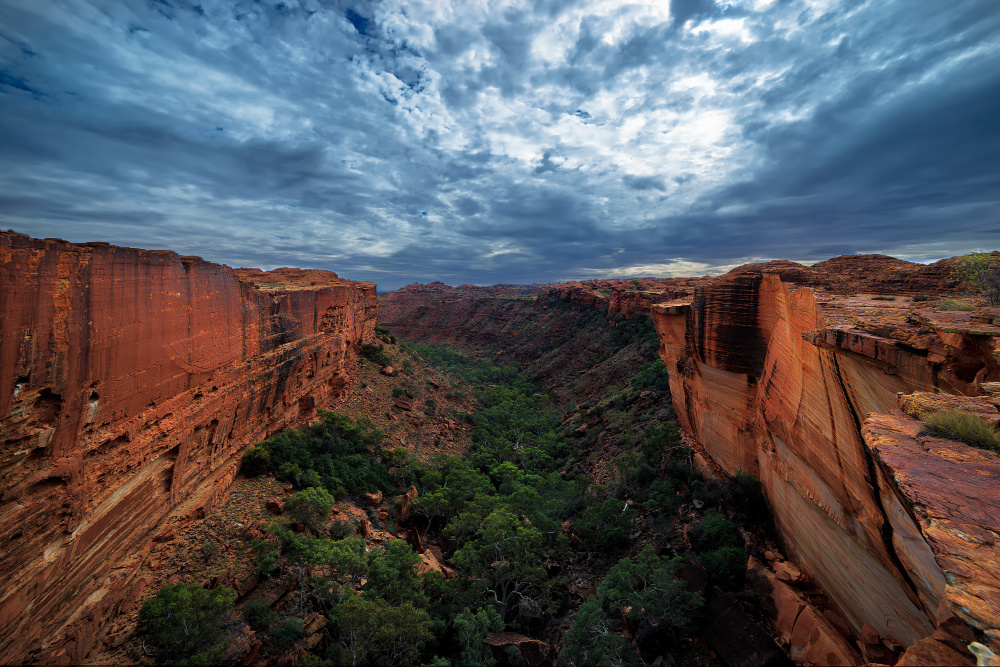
(431, 562)
(244, 649)
(811, 636)
(276, 506)
(134, 381)
(387, 370)
(930, 651)
(372, 499)
(950, 488)
(534, 653)
(364, 528)
(404, 505)
(761, 384)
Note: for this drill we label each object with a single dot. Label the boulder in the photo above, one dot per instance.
(929, 651)
(404, 504)
(534, 652)
(372, 499)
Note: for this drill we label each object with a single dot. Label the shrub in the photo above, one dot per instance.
(980, 272)
(652, 376)
(184, 623)
(883, 298)
(286, 633)
(605, 527)
(341, 529)
(715, 531)
(965, 427)
(374, 353)
(266, 556)
(955, 304)
(726, 567)
(258, 614)
(398, 392)
(922, 297)
(430, 406)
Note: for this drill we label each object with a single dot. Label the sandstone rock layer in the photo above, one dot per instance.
(763, 385)
(132, 382)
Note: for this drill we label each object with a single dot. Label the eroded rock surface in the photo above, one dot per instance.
(768, 380)
(132, 382)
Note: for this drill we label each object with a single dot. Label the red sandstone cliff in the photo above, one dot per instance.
(132, 382)
(887, 524)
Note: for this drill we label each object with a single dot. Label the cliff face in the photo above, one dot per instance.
(132, 382)
(762, 384)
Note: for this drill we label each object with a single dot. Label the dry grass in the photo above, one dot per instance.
(955, 304)
(965, 427)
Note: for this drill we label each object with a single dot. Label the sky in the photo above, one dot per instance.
(489, 141)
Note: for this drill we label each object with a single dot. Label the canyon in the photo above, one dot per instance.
(133, 381)
(136, 379)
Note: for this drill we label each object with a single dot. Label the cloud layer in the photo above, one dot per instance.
(487, 141)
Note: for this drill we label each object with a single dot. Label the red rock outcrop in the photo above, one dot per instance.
(763, 384)
(132, 382)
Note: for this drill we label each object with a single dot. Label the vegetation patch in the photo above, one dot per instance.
(955, 304)
(963, 426)
(334, 453)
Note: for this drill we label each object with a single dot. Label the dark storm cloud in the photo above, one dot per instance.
(501, 142)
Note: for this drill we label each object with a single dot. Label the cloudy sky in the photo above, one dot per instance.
(489, 141)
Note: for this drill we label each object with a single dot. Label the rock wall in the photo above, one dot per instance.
(761, 383)
(131, 382)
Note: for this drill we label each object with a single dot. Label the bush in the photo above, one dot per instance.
(374, 353)
(726, 567)
(258, 614)
(955, 304)
(652, 376)
(965, 427)
(883, 298)
(286, 633)
(184, 623)
(266, 556)
(922, 297)
(341, 529)
(605, 527)
(980, 272)
(715, 531)
(398, 392)
(311, 506)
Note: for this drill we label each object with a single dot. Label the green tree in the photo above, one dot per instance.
(392, 576)
(184, 623)
(605, 527)
(374, 632)
(311, 506)
(592, 640)
(472, 630)
(504, 554)
(649, 588)
(980, 272)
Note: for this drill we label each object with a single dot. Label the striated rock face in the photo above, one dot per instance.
(131, 382)
(763, 384)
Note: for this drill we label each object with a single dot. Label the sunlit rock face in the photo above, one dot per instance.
(763, 384)
(131, 382)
